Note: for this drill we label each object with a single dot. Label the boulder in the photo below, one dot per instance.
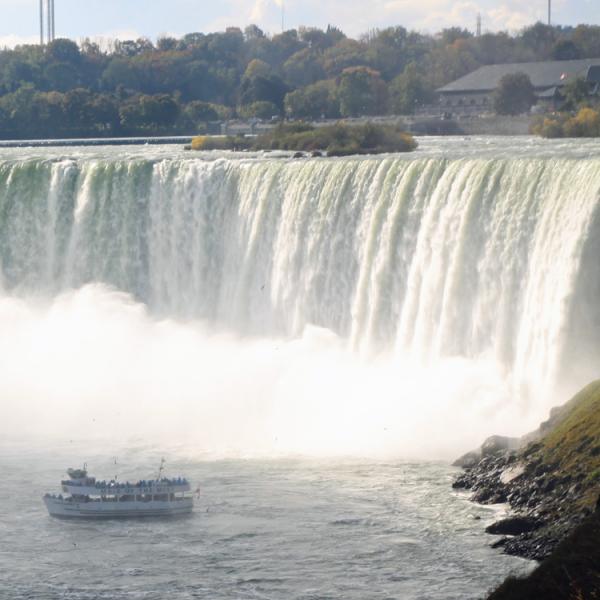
(514, 526)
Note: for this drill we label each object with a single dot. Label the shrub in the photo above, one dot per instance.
(585, 124)
(213, 142)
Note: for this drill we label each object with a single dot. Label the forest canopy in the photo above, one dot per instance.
(138, 87)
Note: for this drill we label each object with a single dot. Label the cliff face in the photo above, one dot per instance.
(551, 482)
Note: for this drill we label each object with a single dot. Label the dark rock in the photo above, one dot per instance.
(316, 154)
(298, 155)
(514, 526)
(499, 543)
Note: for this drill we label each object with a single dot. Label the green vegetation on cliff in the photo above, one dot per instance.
(560, 489)
(572, 447)
(337, 140)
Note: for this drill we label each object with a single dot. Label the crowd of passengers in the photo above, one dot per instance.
(140, 484)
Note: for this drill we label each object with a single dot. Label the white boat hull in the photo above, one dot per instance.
(106, 509)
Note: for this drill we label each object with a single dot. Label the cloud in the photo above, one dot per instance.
(424, 15)
(11, 40)
(19, 17)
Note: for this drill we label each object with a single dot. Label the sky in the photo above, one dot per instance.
(77, 19)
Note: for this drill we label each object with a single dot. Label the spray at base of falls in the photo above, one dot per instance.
(94, 365)
(374, 305)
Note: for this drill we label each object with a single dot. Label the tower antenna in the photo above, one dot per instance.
(282, 16)
(48, 21)
(478, 24)
(549, 13)
(41, 22)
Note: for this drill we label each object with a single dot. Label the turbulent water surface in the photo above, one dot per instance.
(286, 529)
(246, 309)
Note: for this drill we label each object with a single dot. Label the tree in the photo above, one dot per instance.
(121, 72)
(409, 90)
(587, 39)
(314, 101)
(540, 39)
(347, 53)
(62, 50)
(259, 110)
(61, 76)
(514, 94)
(158, 111)
(258, 68)
(166, 44)
(362, 92)
(318, 39)
(303, 68)
(575, 93)
(201, 112)
(253, 32)
(263, 89)
(565, 50)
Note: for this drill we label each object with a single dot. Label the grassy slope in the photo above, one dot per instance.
(574, 444)
(572, 447)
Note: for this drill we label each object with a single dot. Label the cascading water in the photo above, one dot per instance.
(426, 258)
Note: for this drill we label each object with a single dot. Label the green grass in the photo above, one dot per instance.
(573, 446)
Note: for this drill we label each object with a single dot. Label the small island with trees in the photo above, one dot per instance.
(339, 139)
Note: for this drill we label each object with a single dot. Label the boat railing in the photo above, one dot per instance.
(151, 484)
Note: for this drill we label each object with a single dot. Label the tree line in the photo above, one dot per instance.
(138, 87)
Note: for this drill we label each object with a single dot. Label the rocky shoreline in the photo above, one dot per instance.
(542, 501)
(550, 478)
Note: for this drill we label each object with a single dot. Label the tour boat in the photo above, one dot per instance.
(85, 497)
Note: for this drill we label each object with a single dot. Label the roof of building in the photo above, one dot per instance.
(542, 74)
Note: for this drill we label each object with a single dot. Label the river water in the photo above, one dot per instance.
(277, 529)
(311, 341)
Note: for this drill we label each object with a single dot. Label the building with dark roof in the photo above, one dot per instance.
(472, 94)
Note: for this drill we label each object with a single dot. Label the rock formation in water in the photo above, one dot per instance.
(552, 483)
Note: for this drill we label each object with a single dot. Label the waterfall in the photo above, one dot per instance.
(427, 256)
